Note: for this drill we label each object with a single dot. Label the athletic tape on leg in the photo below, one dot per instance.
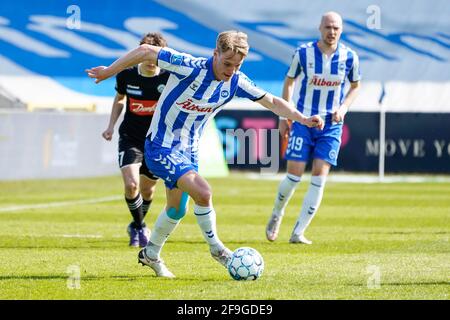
(177, 215)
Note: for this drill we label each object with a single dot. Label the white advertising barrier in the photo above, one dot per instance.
(42, 145)
(55, 145)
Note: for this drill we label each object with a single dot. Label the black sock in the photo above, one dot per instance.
(145, 206)
(135, 206)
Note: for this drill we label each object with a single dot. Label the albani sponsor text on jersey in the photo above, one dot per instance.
(322, 82)
(191, 106)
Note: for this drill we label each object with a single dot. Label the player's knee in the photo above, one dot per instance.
(131, 187)
(295, 168)
(204, 197)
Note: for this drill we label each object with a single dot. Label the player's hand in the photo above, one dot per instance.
(314, 122)
(107, 134)
(283, 127)
(338, 115)
(97, 73)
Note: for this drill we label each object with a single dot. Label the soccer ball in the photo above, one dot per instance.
(246, 264)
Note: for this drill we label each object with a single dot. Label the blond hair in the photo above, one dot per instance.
(233, 40)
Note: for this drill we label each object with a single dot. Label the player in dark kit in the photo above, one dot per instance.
(140, 86)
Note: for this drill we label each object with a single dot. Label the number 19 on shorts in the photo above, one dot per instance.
(295, 143)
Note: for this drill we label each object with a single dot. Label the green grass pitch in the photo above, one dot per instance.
(371, 241)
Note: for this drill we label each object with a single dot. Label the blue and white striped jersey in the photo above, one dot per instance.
(320, 82)
(190, 98)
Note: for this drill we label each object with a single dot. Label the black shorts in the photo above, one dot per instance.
(132, 151)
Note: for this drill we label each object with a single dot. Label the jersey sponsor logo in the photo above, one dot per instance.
(332, 154)
(322, 82)
(191, 106)
(194, 86)
(160, 88)
(134, 92)
(224, 94)
(142, 107)
(176, 59)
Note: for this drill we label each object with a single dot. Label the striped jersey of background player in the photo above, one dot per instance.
(318, 71)
(139, 88)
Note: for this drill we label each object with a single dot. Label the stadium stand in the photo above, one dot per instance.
(403, 45)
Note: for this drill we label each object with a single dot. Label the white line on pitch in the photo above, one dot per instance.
(360, 178)
(60, 204)
(96, 236)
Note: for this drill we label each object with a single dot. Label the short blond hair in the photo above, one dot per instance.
(233, 40)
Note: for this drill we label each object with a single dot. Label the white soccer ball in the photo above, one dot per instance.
(246, 264)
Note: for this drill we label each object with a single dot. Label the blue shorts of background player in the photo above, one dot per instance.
(309, 143)
(168, 164)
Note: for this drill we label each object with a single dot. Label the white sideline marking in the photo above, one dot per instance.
(82, 236)
(359, 178)
(60, 204)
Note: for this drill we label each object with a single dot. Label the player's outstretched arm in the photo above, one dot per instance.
(144, 52)
(287, 110)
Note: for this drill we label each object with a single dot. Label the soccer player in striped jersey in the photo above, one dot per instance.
(316, 78)
(197, 89)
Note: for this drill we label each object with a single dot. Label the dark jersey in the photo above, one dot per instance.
(142, 95)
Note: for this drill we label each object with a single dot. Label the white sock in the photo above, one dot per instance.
(311, 203)
(162, 229)
(285, 191)
(206, 219)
